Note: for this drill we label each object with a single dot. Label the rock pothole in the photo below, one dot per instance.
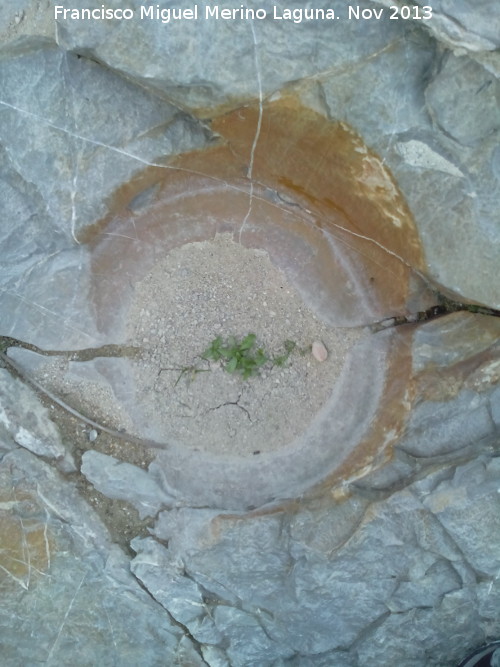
(213, 288)
(308, 421)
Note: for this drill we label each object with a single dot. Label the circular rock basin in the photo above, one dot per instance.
(232, 241)
(231, 441)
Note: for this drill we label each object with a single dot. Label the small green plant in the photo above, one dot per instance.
(237, 356)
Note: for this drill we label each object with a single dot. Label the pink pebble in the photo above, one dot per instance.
(319, 351)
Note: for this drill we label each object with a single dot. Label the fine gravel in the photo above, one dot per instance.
(213, 288)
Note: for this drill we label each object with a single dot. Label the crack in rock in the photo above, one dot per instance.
(227, 403)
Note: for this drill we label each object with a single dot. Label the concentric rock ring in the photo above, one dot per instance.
(342, 235)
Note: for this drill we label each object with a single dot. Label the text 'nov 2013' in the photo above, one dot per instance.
(243, 13)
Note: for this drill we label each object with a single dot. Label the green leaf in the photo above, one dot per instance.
(248, 342)
(213, 350)
(231, 365)
(240, 357)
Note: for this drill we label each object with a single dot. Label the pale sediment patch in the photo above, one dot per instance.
(216, 288)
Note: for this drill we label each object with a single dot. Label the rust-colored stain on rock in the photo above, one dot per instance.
(282, 178)
(296, 171)
(27, 544)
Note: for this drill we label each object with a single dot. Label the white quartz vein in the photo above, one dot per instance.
(46, 541)
(75, 135)
(376, 243)
(21, 583)
(192, 171)
(46, 311)
(75, 155)
(492, 582)
(252, 194)
(36, 265)
(26, 553)
(111, 629)
(133, 156)
(56, 641)
(257, 131)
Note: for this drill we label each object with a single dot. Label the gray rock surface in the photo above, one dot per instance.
(63, 576)
(441, 144)
(394, 563)
(117, 479)
(435, 429)
(467, 508)
(467, 24)
(222, 62)
(166, 581)
(459, 24)
(382, 576)
(61, 118)
(414, 557)
(449, 341)
(495, 406)
(62, 155)
(28, 423)
(424, 118)
(449, 103)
